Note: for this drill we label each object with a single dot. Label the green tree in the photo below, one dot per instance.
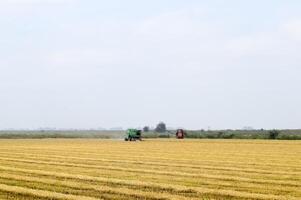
(161, 127)
(145, 129)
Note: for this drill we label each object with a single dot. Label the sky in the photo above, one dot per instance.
(223, 64)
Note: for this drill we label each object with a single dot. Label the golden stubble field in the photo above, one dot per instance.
(152, 169)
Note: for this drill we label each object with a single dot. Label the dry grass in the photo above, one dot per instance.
(152, 169)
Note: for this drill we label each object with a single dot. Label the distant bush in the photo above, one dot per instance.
(150, 134)
(229, 136)
(164, 136)
(220, 134)
(273, 134)
(289, 137)
(61, 134)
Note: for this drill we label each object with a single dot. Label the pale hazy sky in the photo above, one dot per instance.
(193, 64)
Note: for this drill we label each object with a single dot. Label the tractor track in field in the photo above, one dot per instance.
(25, 176)
(79, 160)
(225, 165)
(163, 187)
(155, 172)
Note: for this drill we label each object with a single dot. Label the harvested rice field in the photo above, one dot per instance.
(89, 169)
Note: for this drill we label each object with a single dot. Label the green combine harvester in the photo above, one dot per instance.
(133, 135)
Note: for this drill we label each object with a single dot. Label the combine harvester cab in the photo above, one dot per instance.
(133, 135)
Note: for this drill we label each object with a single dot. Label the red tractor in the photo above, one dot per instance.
(180, 134)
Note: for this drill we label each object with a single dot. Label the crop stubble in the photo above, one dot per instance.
(151, 169)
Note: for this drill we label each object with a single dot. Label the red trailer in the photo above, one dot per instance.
(180, 134)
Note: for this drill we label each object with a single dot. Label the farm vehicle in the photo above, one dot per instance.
(133, 135)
